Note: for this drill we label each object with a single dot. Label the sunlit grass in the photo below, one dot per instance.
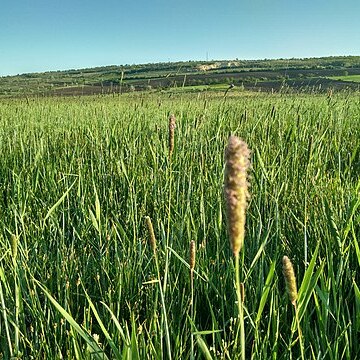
(353, 78)
(78, 177)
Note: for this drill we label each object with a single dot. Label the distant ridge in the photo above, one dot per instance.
(269, 73)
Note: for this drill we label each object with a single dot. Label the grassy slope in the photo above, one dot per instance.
(107, 79)
(352, 78)
(109, 157)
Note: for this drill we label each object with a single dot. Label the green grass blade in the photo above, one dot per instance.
(265, 293)
(98, 353)
(103, 328)
(53, 208)
(118, 326)
(203, 347)
(357, 304)
(308, 284)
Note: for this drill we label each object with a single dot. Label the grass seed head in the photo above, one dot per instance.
(192, 255)
(172, 126)
(242, 292)
(236, 190)
(14, 246)
(290, 279)
(151, 233)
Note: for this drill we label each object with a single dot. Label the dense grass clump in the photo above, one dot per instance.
(80, 276)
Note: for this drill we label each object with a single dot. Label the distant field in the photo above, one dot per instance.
(309, 75)
(197, 88)
(351, 78)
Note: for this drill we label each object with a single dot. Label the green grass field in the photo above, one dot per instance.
(352, 78)
(78, 277)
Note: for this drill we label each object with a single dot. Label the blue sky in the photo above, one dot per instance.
(40, 35)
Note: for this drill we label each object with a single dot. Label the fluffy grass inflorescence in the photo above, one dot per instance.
(14, 246)
(290, 280)
(236, 194)
(192, 255)
(236, 190)
(152, 238)
(172, 125)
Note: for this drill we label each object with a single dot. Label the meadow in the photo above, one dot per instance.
(351, 78)
(80, 277)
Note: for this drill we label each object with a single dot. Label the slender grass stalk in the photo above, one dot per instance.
(162, 297)
(290, 280)
(308, 163)
(172, 126)
(192, 257)
(163, 288)
(17, 312)
(236, 194)
(301, 339)
(6, 324)
(14, 251)
(240, 304)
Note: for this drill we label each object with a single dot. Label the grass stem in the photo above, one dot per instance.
(241, 325)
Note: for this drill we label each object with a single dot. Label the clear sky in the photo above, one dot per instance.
(40, 35)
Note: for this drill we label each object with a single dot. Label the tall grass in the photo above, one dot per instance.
(78, 176)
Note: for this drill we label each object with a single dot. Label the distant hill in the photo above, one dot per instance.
(268, 74)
